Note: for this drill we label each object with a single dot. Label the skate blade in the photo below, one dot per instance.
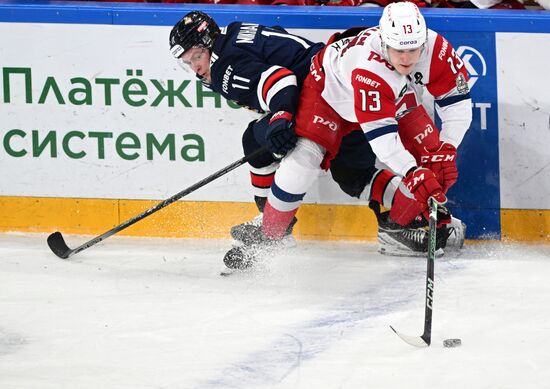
(409, 254)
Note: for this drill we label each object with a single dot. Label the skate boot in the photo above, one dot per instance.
(412, 240)
(244, 232)
(409, 241)
(238, 258)
(240, 230)
(255, 246)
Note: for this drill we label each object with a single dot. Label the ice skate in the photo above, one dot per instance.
(409, 241)
(412, 240)
(246, 232)
(254, 247)
(237, 232)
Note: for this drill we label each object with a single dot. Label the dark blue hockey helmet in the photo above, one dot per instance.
(196, 29)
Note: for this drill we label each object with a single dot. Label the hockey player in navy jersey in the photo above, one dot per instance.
(258, 67)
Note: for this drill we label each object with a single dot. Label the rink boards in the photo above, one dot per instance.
(99, 123)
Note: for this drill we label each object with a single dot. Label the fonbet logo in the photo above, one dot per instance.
(474, 62)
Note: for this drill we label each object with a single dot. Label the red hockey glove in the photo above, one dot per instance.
(442, 161)
(411, 198)
(280, 136)
(421, 182)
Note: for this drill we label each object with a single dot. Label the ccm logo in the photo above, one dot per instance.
(318, 119)
(415, 181)
(430, 293)
(437, 158)
(420, 137)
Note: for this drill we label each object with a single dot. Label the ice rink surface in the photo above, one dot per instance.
(155, 313)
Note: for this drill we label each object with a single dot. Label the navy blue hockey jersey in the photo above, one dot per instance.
(260, 67)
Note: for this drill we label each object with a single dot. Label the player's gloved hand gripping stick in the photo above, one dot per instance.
(59, 247)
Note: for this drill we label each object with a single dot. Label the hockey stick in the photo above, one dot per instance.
(425, 339)
(59, 247)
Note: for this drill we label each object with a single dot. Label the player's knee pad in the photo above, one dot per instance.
(418, 132)
(297, 172)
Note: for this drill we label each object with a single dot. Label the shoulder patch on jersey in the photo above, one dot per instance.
(461, 84)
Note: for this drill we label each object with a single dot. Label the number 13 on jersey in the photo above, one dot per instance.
(370, 100)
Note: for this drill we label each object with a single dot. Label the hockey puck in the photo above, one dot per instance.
(452, 342)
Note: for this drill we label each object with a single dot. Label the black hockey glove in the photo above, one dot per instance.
(280, 136)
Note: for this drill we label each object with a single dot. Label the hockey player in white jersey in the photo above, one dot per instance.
(375, 80)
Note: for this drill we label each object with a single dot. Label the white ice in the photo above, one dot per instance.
(155, 313)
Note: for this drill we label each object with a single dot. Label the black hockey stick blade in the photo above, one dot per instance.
(58, 246)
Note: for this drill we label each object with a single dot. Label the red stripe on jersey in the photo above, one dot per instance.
(272, 79)
(444, 68)
(261, 181)
(373, 97)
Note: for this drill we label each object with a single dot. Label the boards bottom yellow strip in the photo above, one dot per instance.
(529, 225)
(198, 219)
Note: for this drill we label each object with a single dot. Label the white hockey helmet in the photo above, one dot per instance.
(402, 27)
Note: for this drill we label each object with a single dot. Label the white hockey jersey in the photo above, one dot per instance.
(362, 87)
